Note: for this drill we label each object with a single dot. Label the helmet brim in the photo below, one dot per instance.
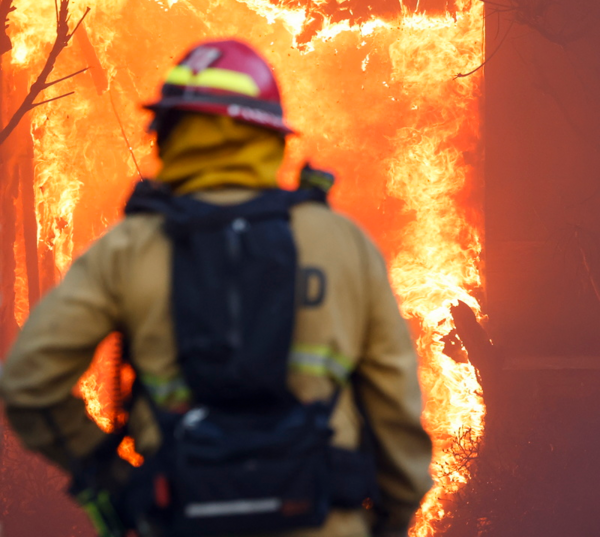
(260, 113)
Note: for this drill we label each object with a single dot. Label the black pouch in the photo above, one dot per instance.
(353, 478)
(233, 475)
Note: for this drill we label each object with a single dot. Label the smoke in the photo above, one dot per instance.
(559, 21)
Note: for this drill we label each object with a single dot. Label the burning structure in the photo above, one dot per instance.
(389, 95)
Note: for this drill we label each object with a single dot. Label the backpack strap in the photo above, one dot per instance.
(233, 310)
(153, 197)
(148, 197)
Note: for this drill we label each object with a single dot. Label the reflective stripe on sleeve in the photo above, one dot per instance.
(321, 361)
(167, 392)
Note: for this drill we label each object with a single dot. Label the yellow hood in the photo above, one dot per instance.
(206, 151)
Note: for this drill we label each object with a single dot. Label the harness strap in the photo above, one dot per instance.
(153, 197)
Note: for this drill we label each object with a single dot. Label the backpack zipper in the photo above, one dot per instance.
(234, 299)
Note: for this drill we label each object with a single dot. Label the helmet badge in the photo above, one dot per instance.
(201, 58)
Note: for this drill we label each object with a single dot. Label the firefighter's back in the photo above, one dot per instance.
(347, 324)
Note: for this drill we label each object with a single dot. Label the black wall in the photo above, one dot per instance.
(538, 469)
(542, 131)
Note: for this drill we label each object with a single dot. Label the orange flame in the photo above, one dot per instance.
(378, 101)
(440, 259)
(21, 279)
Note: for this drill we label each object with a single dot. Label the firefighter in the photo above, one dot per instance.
(221, 139)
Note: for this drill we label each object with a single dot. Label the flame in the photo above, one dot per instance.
(91, 387)
(375, 98)
(127, 451)
(21, 279)
(439, 263)
(430, 171)
(293, 19)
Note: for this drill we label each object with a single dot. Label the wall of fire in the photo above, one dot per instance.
(533, 474)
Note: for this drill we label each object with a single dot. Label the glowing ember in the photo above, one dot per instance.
(377, 101)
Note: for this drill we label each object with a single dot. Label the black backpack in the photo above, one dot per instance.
(248, 458)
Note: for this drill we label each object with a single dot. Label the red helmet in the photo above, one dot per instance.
(224, 78)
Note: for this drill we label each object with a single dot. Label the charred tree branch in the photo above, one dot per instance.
(482, 354)
(497, 4)
(464, 75)
(63, 37)
(80, 22)
(49, 84)
(35, 105)
(124, 134)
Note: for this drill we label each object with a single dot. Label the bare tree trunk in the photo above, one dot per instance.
(9, 189)
(18, 171)
(30, 234)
